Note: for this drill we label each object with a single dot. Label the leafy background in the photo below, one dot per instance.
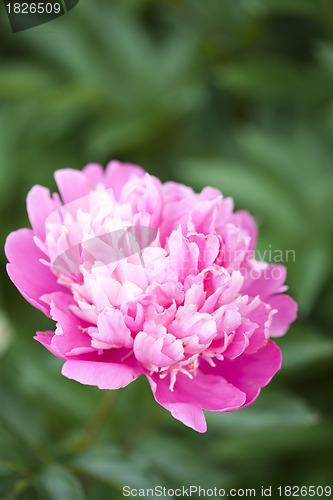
(234, 94)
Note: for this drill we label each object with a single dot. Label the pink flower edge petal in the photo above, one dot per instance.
(32, 278)
(191, 396)
(250, 372)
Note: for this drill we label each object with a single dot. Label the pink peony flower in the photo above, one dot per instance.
(188, 305)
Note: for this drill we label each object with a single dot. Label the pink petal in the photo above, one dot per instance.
(262, 317)
(238, 343)
(266, 282)
(184, 256)
(287, 313)
(160, 352)
(189, 397)
(39, 206)
(250, 372)
(174, 191)
(117, 174)
(244, 220)
(134, 315)
(203, 214)
(227, 318)
(105, 374)
(94, 173)
(175, 212)
(165, 294)
(45, 338)
(150, 202)
(112, 329)
(193, 324)
(234, 246)
(208, 249)
(72, 184)
(32, 278)
(159, 315)
(70, 332)
(195, 295)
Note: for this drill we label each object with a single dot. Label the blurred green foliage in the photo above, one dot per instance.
(233, 94)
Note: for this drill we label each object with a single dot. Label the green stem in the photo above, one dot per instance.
(90, 431)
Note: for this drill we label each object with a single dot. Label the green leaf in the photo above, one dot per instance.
(292, 6)
(22, 80)
(303, 346)
(272, 443)
(273, 78)
(324, 53)
(56, 482)
(311, 265)
(182, 465)
(16, 452)
(116, 467)
(62, 397)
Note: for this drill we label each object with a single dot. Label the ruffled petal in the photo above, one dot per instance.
(244, 220)
(111, 329)
(157, 349)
